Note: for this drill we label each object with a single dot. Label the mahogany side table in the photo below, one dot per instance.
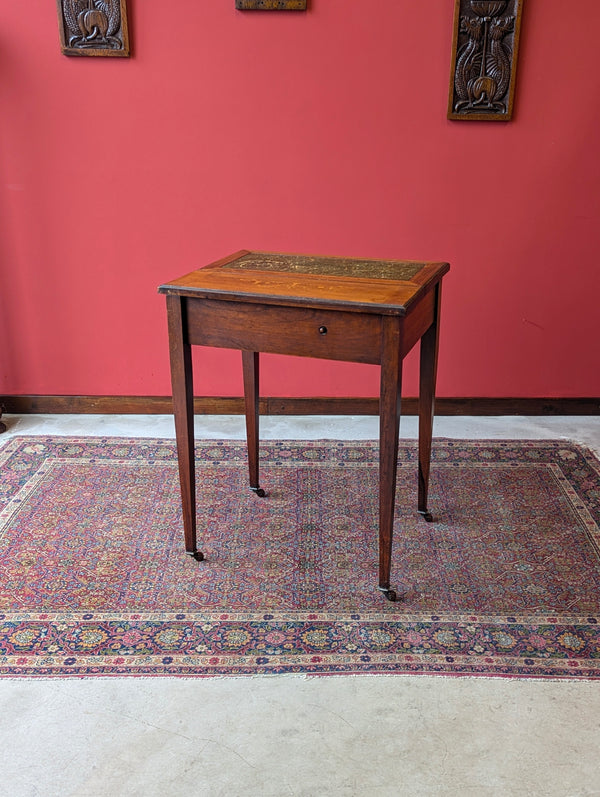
(366, 311)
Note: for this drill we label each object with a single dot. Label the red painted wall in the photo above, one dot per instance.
(322, 132)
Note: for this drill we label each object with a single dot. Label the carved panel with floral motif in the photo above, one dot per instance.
(93, 27)
(271, 5)
(484, 59)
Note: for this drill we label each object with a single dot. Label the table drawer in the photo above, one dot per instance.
(305, 332)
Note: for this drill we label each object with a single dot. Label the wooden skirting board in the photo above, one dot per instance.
(209, 405)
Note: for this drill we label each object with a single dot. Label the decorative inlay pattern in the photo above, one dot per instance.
(328, 266)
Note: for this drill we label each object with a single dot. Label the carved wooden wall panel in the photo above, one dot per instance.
(93, 27)
(271, 5)
(484, 59)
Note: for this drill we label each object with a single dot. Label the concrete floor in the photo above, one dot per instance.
(289, 735)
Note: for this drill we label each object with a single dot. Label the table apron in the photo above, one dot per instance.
(300, 331)
(305, 332)
(417, 321)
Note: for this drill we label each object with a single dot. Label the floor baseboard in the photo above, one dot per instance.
(209, 405)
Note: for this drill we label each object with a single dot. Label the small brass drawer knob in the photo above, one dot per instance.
(322, 330)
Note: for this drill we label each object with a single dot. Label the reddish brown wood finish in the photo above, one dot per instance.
(427, 378)
(180, 352)
(389, 422)
(250, 364)
(326, 334)
(359, 319)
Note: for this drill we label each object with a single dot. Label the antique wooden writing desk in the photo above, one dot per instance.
(364, 311)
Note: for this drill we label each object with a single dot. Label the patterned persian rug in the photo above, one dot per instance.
(94, 580)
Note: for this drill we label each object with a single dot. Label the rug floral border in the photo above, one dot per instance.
(85, 644)
(203, 645)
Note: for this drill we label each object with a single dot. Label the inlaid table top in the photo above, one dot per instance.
(378, 286)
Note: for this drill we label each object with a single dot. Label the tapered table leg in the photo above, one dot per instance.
(183, 410)
(428, 371)
(250, 363)
(389, 426)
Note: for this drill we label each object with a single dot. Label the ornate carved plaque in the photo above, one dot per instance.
(271, 5)
(484, 59)
(93, 27)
